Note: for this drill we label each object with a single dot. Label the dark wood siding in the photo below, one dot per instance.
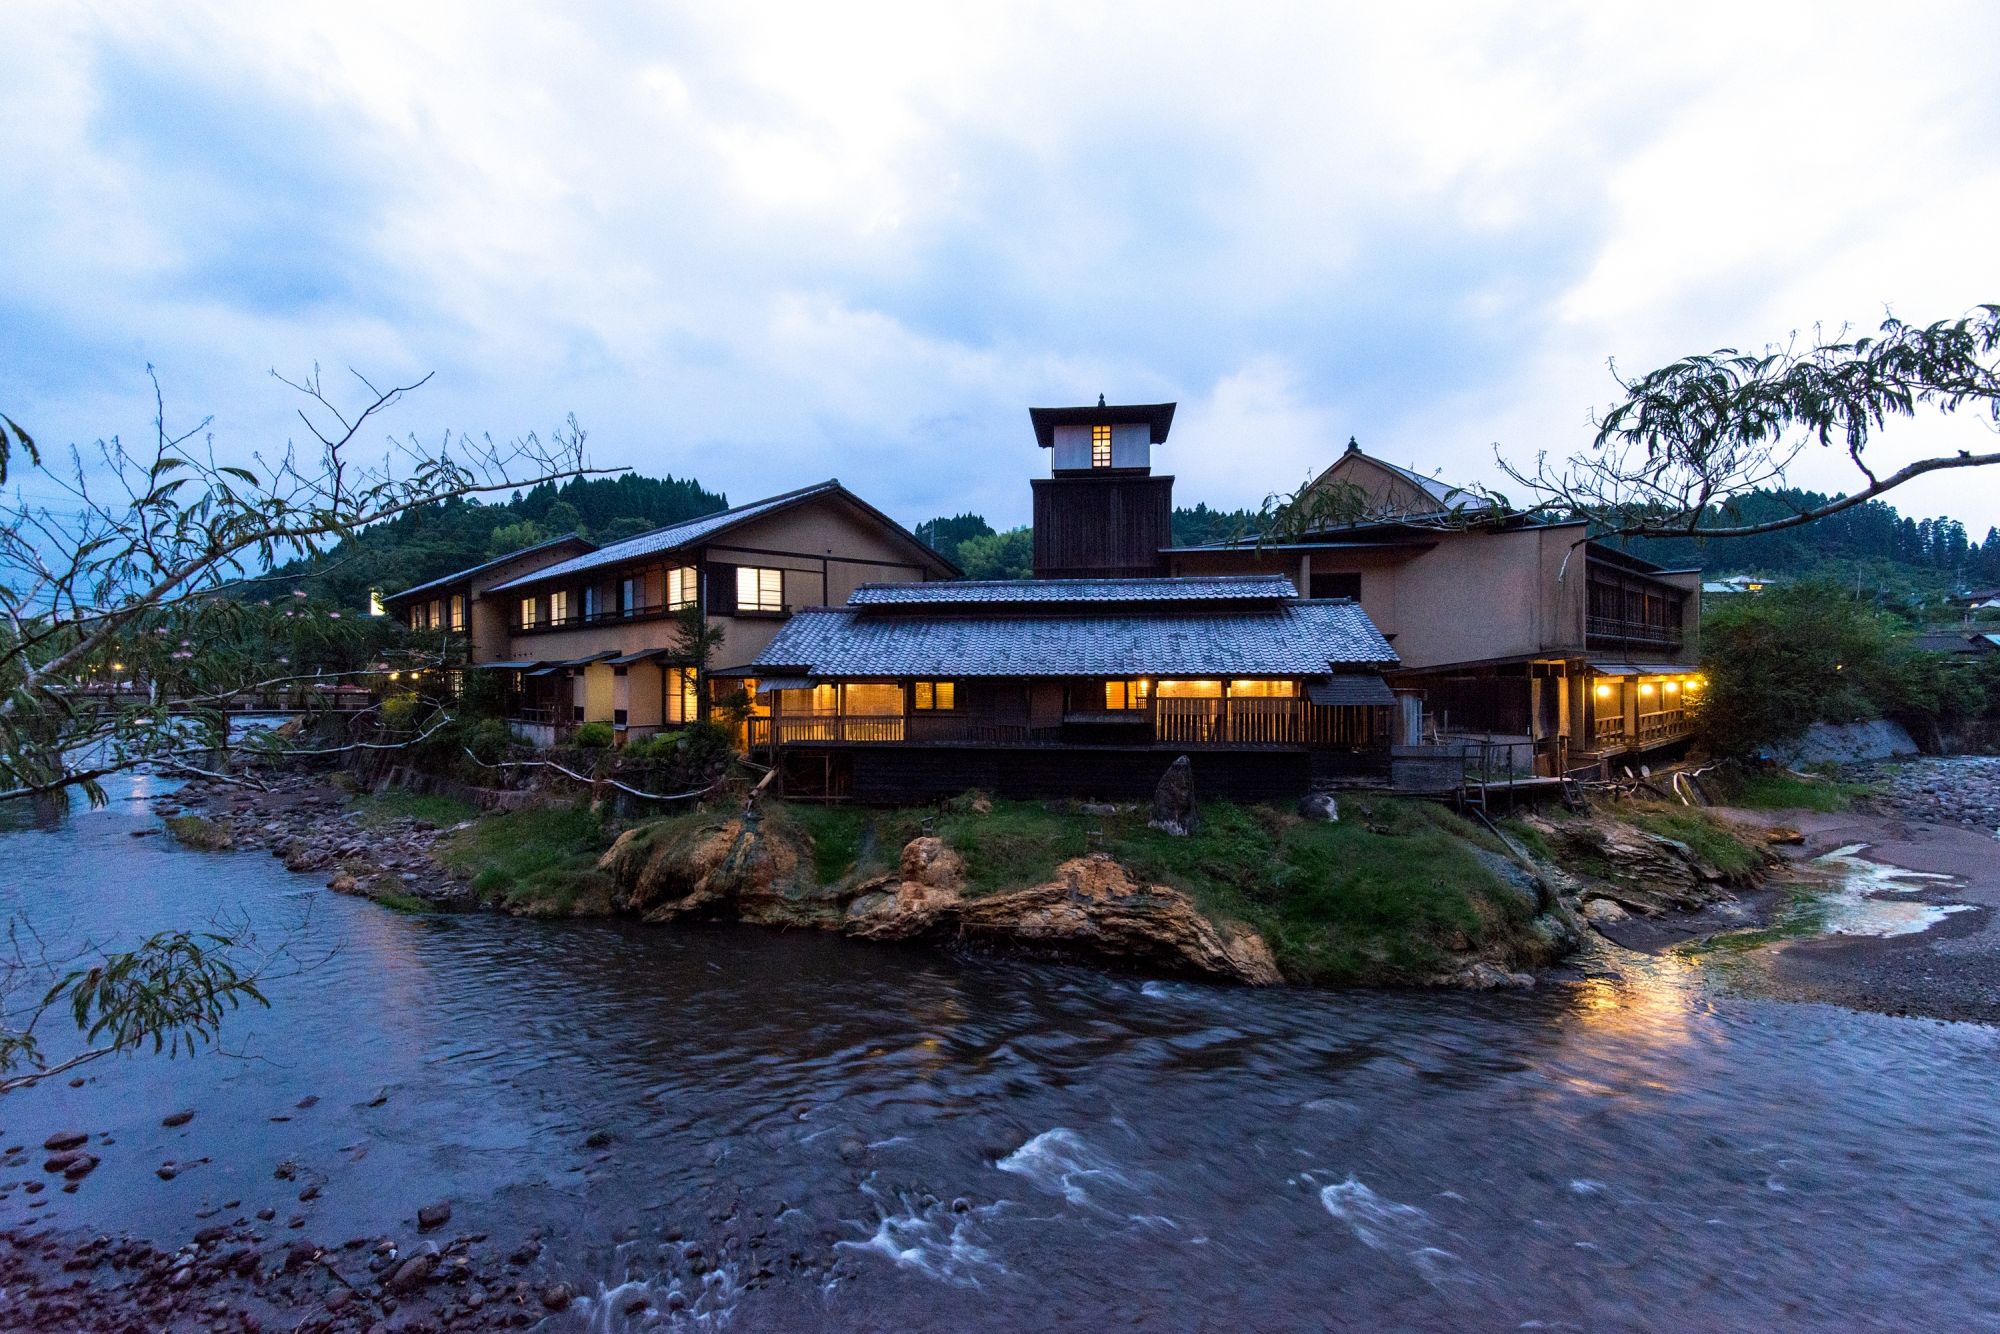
(896, 774)
(1102, 526)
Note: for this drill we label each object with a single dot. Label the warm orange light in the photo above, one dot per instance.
(1646, 688)
(1604, 692)
(1673, 686)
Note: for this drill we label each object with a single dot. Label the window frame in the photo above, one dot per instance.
(934, 696)
(1100, 446)
(683, 587)
(530, 612)
(754, 577)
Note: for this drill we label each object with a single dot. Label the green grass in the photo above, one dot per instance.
(399, 804)
(1789, 792)
(1530, 838)
(409, 903)
(1384, 895)
(1713, 841)
(518, 858)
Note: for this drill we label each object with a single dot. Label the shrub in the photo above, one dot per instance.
(400, 712)
(595, 736)
(489, 739)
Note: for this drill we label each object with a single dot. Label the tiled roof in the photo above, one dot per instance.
(1292, 639)
(670, 538)
(473, 571)
(991, 592)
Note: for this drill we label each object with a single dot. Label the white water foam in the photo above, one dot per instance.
(934, 1238)
(668, 1303)
(1854, 909)
(1392, 1228)
(1060, 1162)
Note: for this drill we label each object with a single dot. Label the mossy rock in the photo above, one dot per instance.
(197, 831)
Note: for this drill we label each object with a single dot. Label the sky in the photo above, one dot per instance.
(764, 245)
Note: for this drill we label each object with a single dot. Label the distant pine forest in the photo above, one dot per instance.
(1871, 548)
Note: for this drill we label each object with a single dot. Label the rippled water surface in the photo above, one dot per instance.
(910, 1141)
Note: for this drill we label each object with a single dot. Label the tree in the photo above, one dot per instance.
(148, 564)
(1008, 555)
(1688, 440)
(946, 535)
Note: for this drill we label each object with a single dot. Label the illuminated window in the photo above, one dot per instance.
(682, 704)
(527, 613)
(759, 589)
(458, 611)
(1190, 690)
(680, 587)
(1262, 689)
(434, 616)
(937, 695)
(416, 618)
(1100, 446)
(1126, 694)
(558, 607)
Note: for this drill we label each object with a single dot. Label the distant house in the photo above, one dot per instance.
(1737, 583)
(1508, 629)
(1957, 643)
(590, 634)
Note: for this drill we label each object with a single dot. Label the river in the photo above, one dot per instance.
(902, 1140)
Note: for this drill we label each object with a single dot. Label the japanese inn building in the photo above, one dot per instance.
(871, 670)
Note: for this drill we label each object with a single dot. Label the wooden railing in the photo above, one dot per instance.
(1663, 724)
(838, 727)
(1608, 731)
(1612, 630)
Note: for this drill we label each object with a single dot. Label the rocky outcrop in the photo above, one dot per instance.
(1173, 800)
(1845, 743)
(1643, 873)
(742, 869)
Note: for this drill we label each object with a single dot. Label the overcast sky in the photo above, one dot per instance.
(764, 247)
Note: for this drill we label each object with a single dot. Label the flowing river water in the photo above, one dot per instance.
(811, 1133)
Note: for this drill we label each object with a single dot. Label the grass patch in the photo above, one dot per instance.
(398, 804)
(1385, 895)
(409, 903)
(1803, 915)
(1789, 792)
(1712, 840)
(532, 857)
(1530, 838)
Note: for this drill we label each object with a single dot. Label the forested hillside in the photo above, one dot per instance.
(425, 544)
(1871, 544)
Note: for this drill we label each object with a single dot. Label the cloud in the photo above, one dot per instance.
(770, 245)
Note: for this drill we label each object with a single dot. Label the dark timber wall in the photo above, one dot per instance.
(896, 774)
(1113, 525)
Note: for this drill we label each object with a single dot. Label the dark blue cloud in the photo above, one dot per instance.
(271, 205)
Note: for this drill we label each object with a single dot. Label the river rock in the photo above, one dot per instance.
(1173, 800)
(434, 1216)
(1320, 806)
(179, 1118)
(414, 1272)
(556, 1297)
(65, 1139)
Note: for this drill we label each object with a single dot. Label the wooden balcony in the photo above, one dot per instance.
(1608, 632)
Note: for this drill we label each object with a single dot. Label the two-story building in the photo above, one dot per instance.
(1508, 628)
(585, 633)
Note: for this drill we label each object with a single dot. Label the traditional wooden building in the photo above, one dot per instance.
(1079, 687)
(1520, 633)
(1102, 512)
(593, 634)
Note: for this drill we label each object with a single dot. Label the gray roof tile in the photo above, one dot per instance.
(991, 592)
(1295, 638)
(670, 538)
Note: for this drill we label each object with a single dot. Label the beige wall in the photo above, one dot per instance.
(825, 548)
(1473, 597)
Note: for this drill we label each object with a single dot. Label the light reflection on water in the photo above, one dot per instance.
(981, 1143)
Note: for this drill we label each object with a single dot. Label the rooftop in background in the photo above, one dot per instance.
(691, 532)
(1293, 638)
(474, 571)
(1262, 588)
(1158, 416)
